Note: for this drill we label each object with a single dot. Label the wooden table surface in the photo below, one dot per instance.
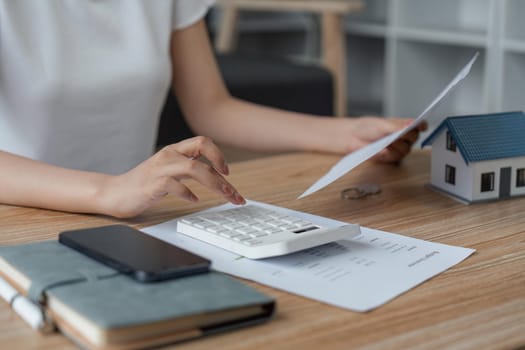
(477, 304)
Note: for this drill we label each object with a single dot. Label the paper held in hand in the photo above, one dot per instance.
(353, 159)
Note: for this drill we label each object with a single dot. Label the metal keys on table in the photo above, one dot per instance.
(360, 191)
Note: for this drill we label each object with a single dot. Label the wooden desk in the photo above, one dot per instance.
(478, 304)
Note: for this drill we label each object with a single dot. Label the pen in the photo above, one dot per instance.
(30, 312)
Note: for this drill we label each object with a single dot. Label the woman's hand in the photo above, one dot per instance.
(365, 130)
(133, 192)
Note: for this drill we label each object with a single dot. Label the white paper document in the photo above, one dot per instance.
(353, 159)
(359, 274)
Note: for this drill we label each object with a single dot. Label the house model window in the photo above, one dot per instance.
(520, 177)
(451, 143)
(487, 182)
(450, 174)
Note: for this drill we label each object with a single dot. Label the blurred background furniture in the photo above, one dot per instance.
(401, 53)
(332, 35)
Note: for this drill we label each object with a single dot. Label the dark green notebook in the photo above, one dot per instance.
(99, 308)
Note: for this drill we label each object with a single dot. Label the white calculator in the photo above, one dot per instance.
(257, 232)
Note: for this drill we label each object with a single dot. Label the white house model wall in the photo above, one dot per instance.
(479, 157)
(441, 157)
(496, 166)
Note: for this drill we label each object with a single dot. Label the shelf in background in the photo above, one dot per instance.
(517, 46)
(442, 37)
(461, 16)
(514, 23)
(513, 78)
(400, 53)
(424, 69)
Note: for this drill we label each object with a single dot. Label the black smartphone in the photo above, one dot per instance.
(143, 257)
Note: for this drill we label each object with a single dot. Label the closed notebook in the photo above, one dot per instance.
(99, 308)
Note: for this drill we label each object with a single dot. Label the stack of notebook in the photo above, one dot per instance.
(99, 308)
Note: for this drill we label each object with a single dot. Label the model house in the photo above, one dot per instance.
(479, 157)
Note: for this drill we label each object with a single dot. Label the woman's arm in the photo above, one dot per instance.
(31, 183)
(211, 111)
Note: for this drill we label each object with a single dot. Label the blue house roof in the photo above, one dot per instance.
(485, 136)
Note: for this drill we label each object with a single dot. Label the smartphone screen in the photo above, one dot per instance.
(145, 258)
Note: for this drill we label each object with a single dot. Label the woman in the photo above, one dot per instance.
(82, 84)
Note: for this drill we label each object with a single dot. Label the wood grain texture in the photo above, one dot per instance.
(477, 304)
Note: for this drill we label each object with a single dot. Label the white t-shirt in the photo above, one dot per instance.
(82, 83)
